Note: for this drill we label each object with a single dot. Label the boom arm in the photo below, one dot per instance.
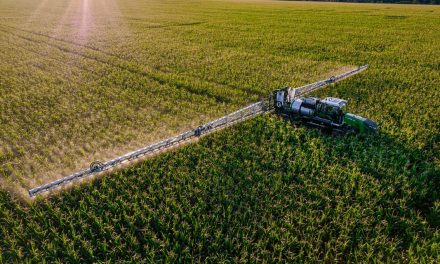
(306, 89)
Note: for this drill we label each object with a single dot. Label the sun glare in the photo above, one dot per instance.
(86, 21)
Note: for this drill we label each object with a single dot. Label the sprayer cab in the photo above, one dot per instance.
(325, 113)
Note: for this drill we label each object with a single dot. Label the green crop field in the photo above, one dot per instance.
(82, 80)
(91, 80)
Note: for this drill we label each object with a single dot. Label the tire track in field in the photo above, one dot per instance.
(63, 40)
(47, 57)
(160, 25)
(248, 91)
(159, 76)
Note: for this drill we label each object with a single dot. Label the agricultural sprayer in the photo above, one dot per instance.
(328, 113)
(287, 102)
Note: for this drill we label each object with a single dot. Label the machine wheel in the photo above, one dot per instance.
(96, 166)
(338, 132)
(350, 130)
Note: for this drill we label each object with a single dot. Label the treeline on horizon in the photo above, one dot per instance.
(431, 2)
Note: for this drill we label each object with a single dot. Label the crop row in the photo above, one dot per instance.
(284, 194)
